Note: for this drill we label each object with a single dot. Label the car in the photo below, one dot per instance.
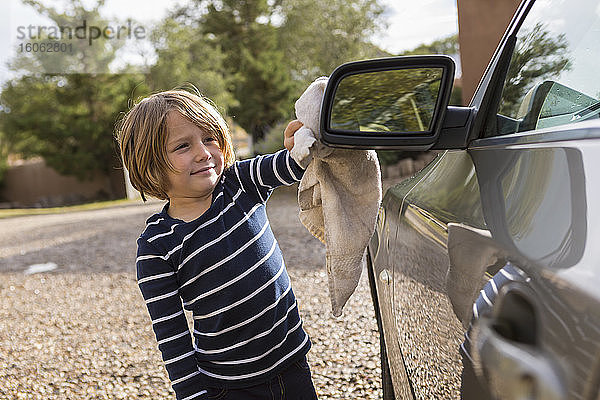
(484, 266)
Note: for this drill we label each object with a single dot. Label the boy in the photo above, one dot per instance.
(211, 247)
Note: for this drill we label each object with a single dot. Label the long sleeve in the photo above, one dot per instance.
(260, 175)
(159, 287)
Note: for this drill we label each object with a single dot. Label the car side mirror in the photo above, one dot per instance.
(396, 102)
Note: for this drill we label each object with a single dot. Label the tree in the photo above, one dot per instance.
(68, 116)
(67, 121)
(273, 49)
(317, 36)
(447, 45)
(187, 56)
(397, 101)
(85, 55)
(538, 56)
(253, 63)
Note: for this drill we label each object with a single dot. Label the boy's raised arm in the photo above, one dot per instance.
(159, 287)
(262, 174)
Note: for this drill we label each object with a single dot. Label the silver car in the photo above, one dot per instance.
(485, 265)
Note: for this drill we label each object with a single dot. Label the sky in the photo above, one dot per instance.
(411, 23)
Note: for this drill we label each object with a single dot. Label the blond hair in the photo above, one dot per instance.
(142, 137)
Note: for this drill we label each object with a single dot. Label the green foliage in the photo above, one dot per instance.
(538, 56)
(316, 36)
(68, 118)
(272, 141)
(84, 58)
(390, 157)
(447, 45)
(456, 96)
(265, 92)
(253, 58)
(253, 63)
(69, 121)
(186, 55)
(267, 64)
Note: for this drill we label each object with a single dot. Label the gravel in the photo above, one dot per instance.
(81, 331)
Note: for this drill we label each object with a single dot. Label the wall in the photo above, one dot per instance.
(33, 184)
(481, 24)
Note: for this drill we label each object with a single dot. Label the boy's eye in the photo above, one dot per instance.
(181, 146)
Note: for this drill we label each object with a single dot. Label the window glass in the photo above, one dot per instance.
(552, 78)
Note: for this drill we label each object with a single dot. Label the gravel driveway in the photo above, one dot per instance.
(81, 331)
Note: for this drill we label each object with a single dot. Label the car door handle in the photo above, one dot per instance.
(514, 370)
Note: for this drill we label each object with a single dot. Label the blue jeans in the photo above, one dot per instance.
(295, 383)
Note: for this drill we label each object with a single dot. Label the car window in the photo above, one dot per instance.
(552, 78)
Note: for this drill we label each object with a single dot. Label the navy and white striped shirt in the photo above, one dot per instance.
(483, 305)
(226, 267)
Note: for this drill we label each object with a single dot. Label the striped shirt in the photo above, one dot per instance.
(227, 269)
(484, 303)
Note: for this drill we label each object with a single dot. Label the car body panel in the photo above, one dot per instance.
(429, 331)
(434, 221)
(540, 208)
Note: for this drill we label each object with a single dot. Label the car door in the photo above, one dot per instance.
(521, 204)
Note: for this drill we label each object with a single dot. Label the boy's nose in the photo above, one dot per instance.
(202, 152)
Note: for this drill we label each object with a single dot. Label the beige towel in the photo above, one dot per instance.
(339, 196)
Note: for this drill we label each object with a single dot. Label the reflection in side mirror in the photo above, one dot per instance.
(393, 101)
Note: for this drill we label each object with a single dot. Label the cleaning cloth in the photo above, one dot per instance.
(339, 197)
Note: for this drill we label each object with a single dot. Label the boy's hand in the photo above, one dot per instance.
(288, 134)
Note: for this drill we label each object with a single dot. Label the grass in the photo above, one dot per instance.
(19, 212)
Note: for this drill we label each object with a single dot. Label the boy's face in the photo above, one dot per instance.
(196, 156)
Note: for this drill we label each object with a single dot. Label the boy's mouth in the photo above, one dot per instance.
(203, 169)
